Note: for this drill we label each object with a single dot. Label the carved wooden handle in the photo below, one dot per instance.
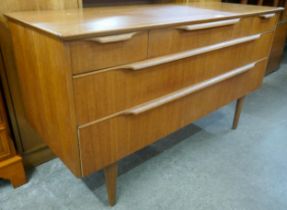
(186, 91)
(113, 38)
(174, 57)
(267, 16)
(209, 25)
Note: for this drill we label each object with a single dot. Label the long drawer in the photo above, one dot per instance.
(197, 35)
(106, 92)
(107, 141)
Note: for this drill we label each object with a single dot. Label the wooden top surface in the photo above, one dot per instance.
(89, 22)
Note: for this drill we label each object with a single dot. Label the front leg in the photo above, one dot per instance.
(238, 109)
(111, 173)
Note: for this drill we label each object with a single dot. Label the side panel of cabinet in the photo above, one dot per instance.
(28, 142)
(46, 86)
(4, 146)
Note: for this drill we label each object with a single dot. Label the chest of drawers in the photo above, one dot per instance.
(102, 83)
(11, 166)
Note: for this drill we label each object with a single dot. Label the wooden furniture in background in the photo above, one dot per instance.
(279, 41)
(11, 166)
(102, 83)
(278, 45)
(28, 142)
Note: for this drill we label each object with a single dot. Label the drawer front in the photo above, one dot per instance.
(107, 92)
(188, 36)
(104, 52)
(107, 141)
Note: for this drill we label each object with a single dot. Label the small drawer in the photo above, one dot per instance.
(107, 51)
(172, 40)
(108, 141)
(103, 93)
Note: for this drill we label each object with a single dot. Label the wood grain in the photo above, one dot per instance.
(176, 40)
(11, 166)
(100, 102)
(123, 19)
(148, 63)
(189, 53)
(126, 88)
(5, 151)
(110, 140)
(12, 169)
(88, 55)
(187, 91)
(32, 148)
(28, 5)
(43, 68)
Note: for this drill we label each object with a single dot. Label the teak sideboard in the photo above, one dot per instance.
(101, 83)
(28, 143)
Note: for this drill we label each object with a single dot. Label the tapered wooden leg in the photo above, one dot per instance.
(238, 109)
(111, 173)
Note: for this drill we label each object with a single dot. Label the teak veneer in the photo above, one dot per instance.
(102, 83)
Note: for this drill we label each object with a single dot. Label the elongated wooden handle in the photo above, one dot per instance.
(170, 58)
(186, 91)
(113, 38)
(267, 16)
(209, 25)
